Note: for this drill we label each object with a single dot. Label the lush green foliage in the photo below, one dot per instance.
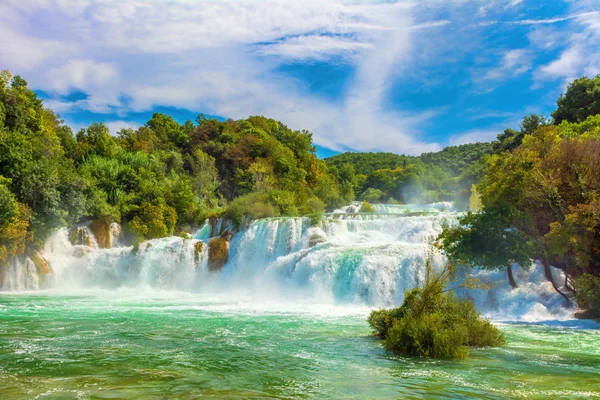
(367, 163)
(155, 180)
(540, 198)
(433, 322)
(457, 159)
(587, 293)
(431, 177)
(14, 222)
(581, 101)
(482, 239)
(366, 208)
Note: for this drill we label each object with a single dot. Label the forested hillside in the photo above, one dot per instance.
(446, 175)
(540, 199)
(156, 181)
(537, 187)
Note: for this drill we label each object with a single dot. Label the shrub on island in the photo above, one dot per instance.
(366, 208)
(433, 322)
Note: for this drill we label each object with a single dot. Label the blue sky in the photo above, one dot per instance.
(406, 77)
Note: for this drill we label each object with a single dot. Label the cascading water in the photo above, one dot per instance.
(350, 258)
(284, 317)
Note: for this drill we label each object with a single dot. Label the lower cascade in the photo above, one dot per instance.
(348, 258)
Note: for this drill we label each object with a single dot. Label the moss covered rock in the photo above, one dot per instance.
(366, 208)
(218, 253)
(198, 247)
(587, 314)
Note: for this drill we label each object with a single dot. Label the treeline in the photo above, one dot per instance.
(539, 199)
(158, 180)
(446, 175)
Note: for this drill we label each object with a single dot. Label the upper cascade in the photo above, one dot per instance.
(349, 257)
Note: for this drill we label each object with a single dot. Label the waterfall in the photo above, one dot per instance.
(349, 258)
(19, 275)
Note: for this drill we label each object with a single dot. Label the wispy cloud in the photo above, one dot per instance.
(513, 63)
(315, 47)
(230, 58)
(210, 56)
(474, 136)
(514, 3)
(116, 126)
(581, 53)
(555, 20)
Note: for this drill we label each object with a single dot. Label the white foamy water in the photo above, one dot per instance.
(352, 260)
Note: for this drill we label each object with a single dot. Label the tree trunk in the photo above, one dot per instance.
(548, 273)
(511, 278)
(567, 286)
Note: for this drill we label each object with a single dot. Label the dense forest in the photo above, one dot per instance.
(159, 180)
(539, 199)
(390, 178)
(534, 193)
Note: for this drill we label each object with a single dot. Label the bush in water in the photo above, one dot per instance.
(366, 208)
(433, 322)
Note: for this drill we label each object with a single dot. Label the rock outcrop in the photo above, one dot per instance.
(315, 239)
(218, 251)
(586, 314)
(198, 247)
(100, 228)
(41, 264)
(81, 236)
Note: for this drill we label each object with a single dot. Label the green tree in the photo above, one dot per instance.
(581, 101)
(483, 240)
(433, 322)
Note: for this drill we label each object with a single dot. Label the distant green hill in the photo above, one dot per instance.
(444, 175)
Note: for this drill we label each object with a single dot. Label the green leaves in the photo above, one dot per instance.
(581, 101)
(433, 322)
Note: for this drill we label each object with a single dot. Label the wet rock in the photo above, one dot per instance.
(218, 253)
(586, 314)
(81, 251)
(228, 234)
(81, 236)
(315, 239)
(100, 228)
(198, 247)
(115, 234)
(41, 264)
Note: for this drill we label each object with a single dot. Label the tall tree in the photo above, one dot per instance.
(581, 101)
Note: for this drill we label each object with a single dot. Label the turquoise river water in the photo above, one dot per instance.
(184, 346)
(284, 319)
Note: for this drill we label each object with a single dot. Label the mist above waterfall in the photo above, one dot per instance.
(365, 260)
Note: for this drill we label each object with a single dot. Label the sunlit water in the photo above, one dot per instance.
(285, 318)
(169, 346)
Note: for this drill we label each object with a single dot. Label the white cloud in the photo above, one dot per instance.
(514, 62)
(20, 52)
(474, 136)
(581, 55)
(85, 75)
(223, 58)
(210, 56)
(514, 3)
(116, 126)
(566, 65)
(556, 19)
(314, 47)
